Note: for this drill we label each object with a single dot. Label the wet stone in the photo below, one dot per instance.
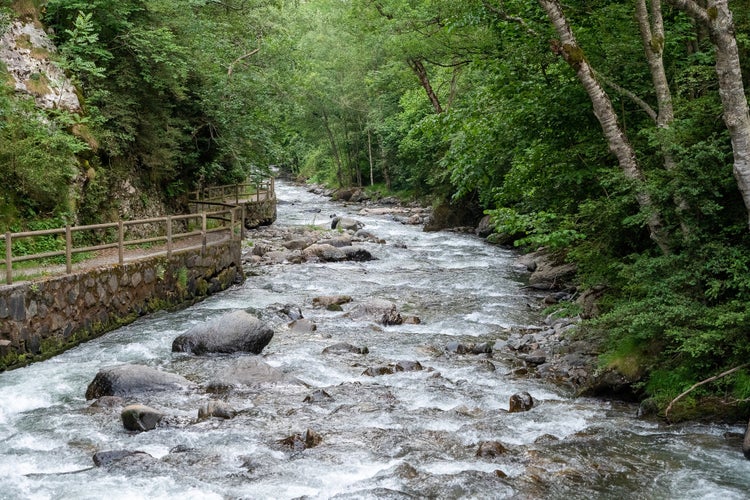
(521, 402)
(319, 396)
(491, 449)
(302, 441)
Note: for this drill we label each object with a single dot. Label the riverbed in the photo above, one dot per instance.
(410, 434)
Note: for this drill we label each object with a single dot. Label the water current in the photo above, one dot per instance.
(405, 435)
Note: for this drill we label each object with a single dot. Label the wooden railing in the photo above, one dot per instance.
(175, 228)
(247, 192)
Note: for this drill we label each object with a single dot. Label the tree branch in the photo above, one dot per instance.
(245, 56)
(693, 9)
(702, 382)
(627, 93)
(500, 12)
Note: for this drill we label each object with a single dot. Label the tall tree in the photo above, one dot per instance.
(717, 18)
(617, 140)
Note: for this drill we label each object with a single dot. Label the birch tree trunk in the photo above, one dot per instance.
(717, 18)
(605, 113)
(652, 35)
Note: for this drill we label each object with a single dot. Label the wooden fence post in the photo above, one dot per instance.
(8, 259)
(169, 236)
(242, 222)
(120, 242)
(68, 249)
(204, 241)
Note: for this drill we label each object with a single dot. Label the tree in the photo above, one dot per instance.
(716, 17)
(618, 142)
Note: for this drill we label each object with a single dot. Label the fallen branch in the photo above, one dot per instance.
(698, 384)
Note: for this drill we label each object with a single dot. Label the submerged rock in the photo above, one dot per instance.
(127, 380)
(246, 371)
(237, 331)
(400, 366)
(302, 441)
(111, 457)
(217, 409)
(343, 348)
(318, 396)
(329, 300)
(381, 311)
(491, 449)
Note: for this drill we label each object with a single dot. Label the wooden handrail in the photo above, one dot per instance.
(228, 217)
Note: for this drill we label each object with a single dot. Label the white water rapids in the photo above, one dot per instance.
(405, 435)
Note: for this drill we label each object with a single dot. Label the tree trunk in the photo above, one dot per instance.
(717, 18)
(652, 36)
(334, 150)
(605, 113)
(369, 157)
(419, 69)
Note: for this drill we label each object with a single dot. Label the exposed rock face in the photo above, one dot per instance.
(26, 51)
(237, 331)
(140, 418)
(127, 380)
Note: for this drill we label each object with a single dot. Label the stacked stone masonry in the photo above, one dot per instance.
(39, 319)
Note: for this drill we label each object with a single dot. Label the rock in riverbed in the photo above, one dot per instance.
(237, 331)
(127, 380)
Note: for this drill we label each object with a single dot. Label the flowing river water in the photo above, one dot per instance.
(406, 435)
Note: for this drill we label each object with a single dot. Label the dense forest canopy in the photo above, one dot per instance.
(615, 134)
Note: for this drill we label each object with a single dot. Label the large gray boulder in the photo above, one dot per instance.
(237, 331)
(127, 380)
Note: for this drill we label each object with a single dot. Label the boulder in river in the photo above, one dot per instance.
(344, 348)
(302, 440)
(521, 401)
(328, 300)
(218, 409)
(127, 380)
(111, 457)
(318, 396)
(346, 224)
(303, 326)
(140, 418)
(324, 253)
(246, 371)
(746, 442)
(399, 366)
(491, 449)
(237, 331)
(381, 311)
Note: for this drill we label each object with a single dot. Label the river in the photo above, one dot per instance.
(406, 435)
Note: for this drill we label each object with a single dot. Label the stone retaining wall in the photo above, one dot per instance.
(260, 213)
(42, 318)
